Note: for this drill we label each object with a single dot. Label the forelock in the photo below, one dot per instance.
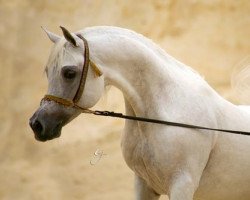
(56, 55)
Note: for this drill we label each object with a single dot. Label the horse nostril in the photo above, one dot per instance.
(36, 126)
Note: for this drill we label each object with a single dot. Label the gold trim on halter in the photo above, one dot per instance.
(65, 102)
(96, 69)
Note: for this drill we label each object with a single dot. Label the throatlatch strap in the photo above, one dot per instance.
(95, 68)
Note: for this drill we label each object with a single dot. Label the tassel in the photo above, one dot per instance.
(96, 69)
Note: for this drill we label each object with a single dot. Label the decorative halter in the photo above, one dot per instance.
(80, 89)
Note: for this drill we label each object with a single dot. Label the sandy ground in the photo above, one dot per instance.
(212, 36)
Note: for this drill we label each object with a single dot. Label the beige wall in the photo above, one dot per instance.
(212, 36)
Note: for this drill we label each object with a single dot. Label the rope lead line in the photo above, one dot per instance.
(156, 121)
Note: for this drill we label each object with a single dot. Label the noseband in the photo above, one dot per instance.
(80, 89)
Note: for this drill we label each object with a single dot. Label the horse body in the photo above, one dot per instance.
(161, 156)
(184, 164)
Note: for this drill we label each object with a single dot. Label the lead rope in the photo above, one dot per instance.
(156, 121)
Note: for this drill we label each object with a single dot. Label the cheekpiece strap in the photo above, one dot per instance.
(84, 71)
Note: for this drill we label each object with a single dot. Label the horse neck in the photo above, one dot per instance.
(145, 77)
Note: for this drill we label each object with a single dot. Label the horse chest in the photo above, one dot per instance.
(140, 157)
(131, 146)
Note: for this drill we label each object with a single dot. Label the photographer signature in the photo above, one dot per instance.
(97, 157)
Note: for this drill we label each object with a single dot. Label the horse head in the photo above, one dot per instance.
(64, 72)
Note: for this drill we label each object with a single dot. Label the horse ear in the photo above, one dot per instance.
(68, 36)
(53, 37)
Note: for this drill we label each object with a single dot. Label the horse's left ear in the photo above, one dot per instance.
(69, 37)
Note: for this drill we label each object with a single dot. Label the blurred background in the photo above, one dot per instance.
(212, 36)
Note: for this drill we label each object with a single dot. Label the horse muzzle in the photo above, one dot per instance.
(48, 120)
(44, 127)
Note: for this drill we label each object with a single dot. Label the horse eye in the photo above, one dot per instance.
(69, 73)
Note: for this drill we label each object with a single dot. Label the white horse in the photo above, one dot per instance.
(182, 163)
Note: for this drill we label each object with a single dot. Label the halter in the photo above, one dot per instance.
(79, 92)
(80, 89)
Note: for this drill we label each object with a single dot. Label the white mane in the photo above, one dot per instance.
(56, 55)
(59, 50)
(110, 30)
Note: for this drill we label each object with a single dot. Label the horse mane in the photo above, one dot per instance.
(58, 51)
(109, 30)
